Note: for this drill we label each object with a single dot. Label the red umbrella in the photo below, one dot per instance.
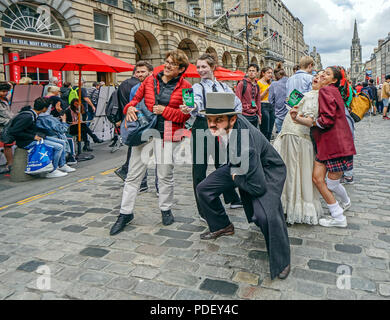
(77, 57)
(224, 74)
(191, 71)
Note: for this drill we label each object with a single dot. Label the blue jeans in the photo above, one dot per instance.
(58, 146)
(279, 124)
(90, 115)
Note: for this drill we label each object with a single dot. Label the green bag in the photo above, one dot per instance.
(294, 98)
(73, 94)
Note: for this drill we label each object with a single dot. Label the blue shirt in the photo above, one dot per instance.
(277, 97)
(301, 81)
(208, 87)
(134, 91)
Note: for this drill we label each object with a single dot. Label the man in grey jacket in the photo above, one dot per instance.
(277, 97)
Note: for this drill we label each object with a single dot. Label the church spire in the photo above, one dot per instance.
(355, 32)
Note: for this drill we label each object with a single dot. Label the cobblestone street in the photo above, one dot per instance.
(68, 231)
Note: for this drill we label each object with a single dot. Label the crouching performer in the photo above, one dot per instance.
(255, 167)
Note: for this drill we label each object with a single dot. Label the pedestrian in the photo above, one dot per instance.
(359, 87)
(258, 172)
(374, 94)
(296, 68)
(65, 90)
(386, 96)
(56, 103)
(277, 97)
(267, 109)
(380, 100)
(335, 147)
(162, 94)
(248, 92)
(53, 82)
(89, 108)
(6, 116)
(93, 95)
(124, 90)
(302, 79)
(300, 197)
(206, 66)
(27, 135)
(143, 70)
(10, 92)
(72, 119)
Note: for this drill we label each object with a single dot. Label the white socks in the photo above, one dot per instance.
(338, 189)
(336, 211)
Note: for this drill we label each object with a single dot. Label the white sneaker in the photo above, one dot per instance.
(56, 174)
(332, 222)
(346, 206)
(67, 169)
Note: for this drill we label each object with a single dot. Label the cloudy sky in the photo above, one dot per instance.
(328, 25)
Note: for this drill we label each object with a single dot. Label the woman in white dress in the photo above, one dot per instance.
(300, 197)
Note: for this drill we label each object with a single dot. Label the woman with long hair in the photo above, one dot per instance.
(335, 147)
(267, 109)
(300, 198)
(206, 66)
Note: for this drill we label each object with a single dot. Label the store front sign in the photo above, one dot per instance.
(33, 43)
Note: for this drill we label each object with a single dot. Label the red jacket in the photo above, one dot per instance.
(172, 112)
(246, 99)
(335, 139)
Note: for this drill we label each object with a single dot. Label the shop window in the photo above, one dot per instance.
(29, 18)
(102, 26)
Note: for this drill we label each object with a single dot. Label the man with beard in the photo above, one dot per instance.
(255, 167)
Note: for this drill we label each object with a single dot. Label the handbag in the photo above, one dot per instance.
(131, 132)
(39, 159)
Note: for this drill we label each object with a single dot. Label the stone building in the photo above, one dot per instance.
(379, 63)
(138, 29)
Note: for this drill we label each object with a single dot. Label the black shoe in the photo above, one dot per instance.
(236, 205)
(167, 218)
(121, 223)
(87, 147)
(113, 143)
(121, 174)
(70, 160)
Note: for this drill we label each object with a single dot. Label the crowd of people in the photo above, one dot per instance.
(284, 176)
(53, 118)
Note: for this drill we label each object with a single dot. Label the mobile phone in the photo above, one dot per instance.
(188, 97)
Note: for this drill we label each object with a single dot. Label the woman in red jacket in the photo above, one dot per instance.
(335, 147)
(162, 94)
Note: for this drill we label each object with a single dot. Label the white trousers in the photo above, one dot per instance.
(140, 155)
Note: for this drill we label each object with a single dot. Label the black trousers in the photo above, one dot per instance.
(208, 192)
(267, 119)
(199, 170)
(254, 120)
(85, 132)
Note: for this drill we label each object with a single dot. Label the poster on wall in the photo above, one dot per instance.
(24, 95)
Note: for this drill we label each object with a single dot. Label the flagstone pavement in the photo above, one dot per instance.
(58, 246)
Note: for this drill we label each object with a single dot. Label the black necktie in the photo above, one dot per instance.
(214, 87)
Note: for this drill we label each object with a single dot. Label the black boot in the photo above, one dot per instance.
(87, 147)
(167, 218)
(121, 223)
(114, 141)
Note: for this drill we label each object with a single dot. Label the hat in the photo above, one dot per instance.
(220, 103)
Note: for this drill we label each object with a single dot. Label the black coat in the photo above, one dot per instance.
(261, 188)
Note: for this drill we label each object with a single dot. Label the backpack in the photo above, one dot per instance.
(114, 112)
(73, 94)
(245, 84)
(5, 135)
(360, 105)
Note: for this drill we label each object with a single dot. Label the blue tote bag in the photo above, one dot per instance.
(39, 159)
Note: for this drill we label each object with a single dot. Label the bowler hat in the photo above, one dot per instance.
(220, 103)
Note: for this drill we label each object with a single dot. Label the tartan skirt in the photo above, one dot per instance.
(338, 164)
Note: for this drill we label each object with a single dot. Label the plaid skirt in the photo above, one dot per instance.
(338, 164)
